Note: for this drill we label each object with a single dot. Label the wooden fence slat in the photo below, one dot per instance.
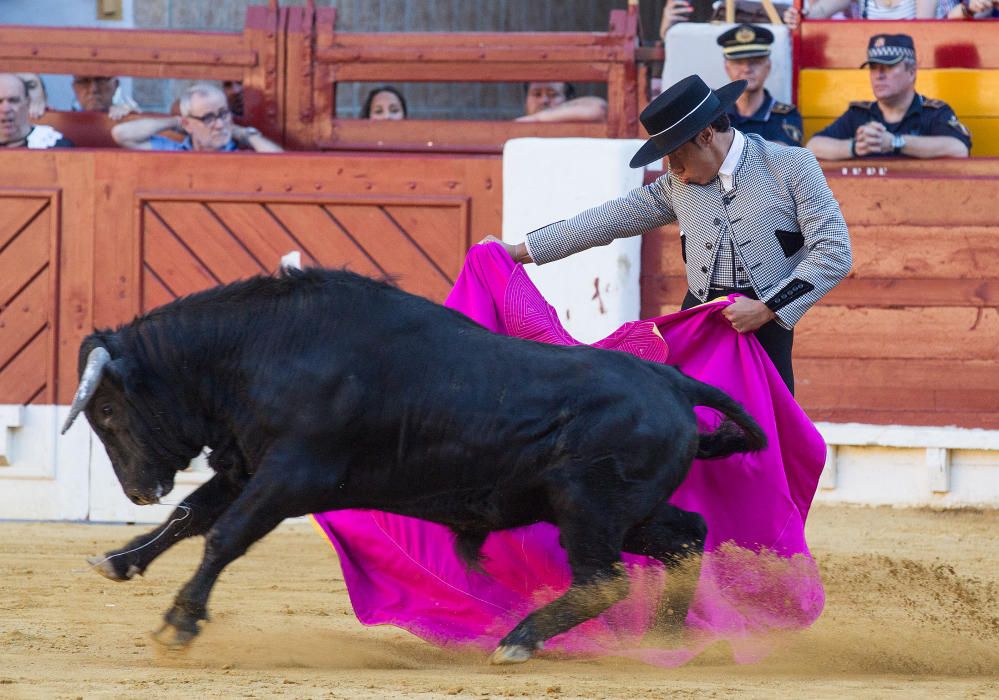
(326, 242)
(171, 261)
(393, 249)
(437, 231)
(259, 232)
(15, 212)
(953, 333)
(26, 315)
(202, 233)
(29, 252)
(154, 292)
(879, 201)
(26, 377)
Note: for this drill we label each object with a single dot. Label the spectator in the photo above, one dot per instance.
(746, 48)
(899, 121)
(37, 97)
(233, 90)
(869, 9)
(100, 93)
(674, 12)
(969, 9)
(16, 129)
(384, 103)
(206, 120)
(557, 102)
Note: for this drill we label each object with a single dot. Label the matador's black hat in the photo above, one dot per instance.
(679, 113)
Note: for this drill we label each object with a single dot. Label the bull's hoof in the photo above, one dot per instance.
(173, 638)
(510, 654)
(105, 568)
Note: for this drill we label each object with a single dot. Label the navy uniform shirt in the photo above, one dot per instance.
(925, 117)
(774, 121)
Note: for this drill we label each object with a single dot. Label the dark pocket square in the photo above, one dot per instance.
(790, 241)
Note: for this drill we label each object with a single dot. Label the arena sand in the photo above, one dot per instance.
(912, 611)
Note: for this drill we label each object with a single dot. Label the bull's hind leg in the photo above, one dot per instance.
(194, 516)
(593, 543)
(676, 538)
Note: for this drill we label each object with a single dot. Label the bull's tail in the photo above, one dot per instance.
(739, 432)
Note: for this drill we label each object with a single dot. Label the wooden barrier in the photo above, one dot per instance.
(91, 238)
(320, 58)
(958, 63)
(291, 59)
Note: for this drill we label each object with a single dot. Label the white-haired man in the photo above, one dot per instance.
(206, 120)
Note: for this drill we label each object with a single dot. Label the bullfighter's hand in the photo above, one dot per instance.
(746, 315)
(517, 251)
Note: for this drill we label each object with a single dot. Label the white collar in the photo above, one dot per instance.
(728, 166)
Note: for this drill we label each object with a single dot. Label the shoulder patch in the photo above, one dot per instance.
(955, 123)
(782, 108)
(863, 104)
(934, 104)
(793, 132)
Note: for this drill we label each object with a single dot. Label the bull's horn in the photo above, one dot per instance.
(89, 382)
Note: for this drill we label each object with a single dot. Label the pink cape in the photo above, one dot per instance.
(757, 575)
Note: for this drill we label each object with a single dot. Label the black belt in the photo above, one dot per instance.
(745, 291)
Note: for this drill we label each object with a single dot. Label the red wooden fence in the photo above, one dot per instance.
(90, 239)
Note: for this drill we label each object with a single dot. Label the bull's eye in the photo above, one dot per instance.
(107, 410)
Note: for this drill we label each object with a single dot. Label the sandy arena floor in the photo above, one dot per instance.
(912, 611)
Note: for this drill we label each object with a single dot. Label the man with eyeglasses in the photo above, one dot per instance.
(206, 120)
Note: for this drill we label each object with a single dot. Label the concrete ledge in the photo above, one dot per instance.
(910, 465)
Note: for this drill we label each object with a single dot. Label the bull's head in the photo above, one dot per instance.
(131, 422)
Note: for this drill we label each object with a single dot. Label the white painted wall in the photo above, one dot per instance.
(47, 476)
(545, 180)
(64, 13)
(692, 48)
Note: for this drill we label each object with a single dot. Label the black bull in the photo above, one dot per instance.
(322, 390)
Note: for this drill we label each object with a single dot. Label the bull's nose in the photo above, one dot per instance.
(141, 499)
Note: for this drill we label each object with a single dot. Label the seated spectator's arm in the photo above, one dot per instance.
(138, 132)
(820, 9)
(37, 98)
(946, 137)
(250, 137)
(975, 9)
(827, 148)
(835, 142)
(581, 109)
(934, 147)
(122, 109)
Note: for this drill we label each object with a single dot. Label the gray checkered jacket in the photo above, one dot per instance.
(783, 220)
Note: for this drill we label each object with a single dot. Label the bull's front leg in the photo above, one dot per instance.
(262, 505)
(193, 517)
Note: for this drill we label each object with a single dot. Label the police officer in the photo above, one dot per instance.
(746, 48)
(899, 121)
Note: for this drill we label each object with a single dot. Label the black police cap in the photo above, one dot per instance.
(889, 49)
(746, 41)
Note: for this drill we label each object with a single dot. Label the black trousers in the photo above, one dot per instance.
(776, 341)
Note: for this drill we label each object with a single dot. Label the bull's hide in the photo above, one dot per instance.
(757, 575)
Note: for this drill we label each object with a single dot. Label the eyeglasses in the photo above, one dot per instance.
(211, 117)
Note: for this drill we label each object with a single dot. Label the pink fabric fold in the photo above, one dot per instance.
(757, 574)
